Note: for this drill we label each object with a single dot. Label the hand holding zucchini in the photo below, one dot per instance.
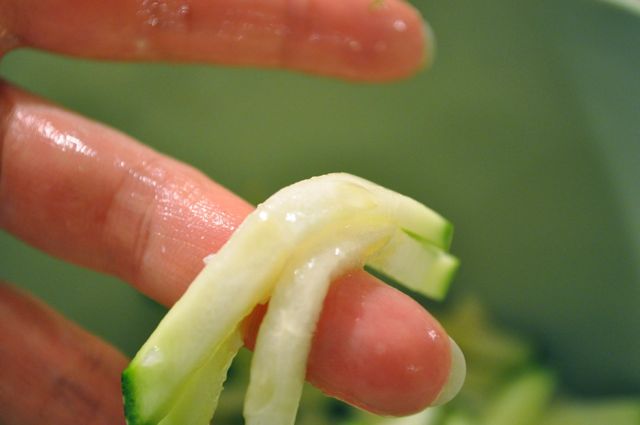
(286, 252)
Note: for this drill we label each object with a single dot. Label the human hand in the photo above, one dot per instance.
(90, 195)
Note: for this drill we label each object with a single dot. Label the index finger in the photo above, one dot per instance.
(354, 39)
(90, 195)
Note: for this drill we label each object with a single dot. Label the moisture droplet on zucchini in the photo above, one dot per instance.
(287, 251)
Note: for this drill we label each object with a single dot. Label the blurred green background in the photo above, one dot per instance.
(525, 134)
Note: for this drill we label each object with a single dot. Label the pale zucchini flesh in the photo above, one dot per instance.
(307, 221)
(199, 399)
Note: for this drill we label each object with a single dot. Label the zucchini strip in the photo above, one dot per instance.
(280, 357)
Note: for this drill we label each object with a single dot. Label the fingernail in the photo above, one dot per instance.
(429, 53)
(456, 377)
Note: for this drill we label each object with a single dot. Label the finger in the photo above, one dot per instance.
(52, 371)
(356, 39)
(90, 195)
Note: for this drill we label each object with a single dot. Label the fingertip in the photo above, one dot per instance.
(397, 43)
(365, 40)
(378, 349)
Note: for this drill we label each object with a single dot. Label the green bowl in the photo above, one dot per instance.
(526, 134)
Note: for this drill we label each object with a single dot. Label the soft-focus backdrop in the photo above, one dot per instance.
(525, 133)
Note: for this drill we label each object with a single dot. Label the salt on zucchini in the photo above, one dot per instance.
(288, 250)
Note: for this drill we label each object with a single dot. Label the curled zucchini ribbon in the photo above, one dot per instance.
(286, 252)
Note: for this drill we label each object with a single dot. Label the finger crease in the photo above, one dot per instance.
(130, 218)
